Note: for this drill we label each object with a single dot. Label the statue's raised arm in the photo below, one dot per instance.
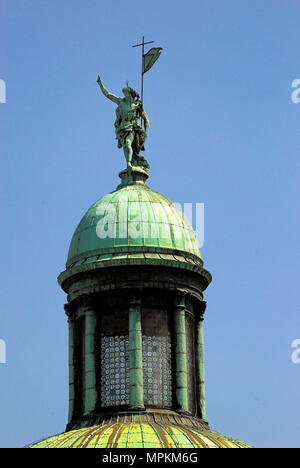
(106, 93)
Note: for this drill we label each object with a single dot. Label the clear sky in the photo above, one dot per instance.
(223, 131)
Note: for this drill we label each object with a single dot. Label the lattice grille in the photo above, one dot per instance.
(114, 359)
(157, 364)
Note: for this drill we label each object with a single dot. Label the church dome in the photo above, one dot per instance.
(132, 220)
(139, 435)
(134, 280)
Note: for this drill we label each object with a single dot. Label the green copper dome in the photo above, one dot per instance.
(133, 218)
(142, 435)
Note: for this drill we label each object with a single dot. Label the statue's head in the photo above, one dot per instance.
(127, 91)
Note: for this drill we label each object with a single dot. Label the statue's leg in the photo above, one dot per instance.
(128, 149)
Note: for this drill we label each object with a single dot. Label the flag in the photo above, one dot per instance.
(150, 58)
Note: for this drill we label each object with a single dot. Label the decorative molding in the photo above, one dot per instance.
(127, 416)
(143, 278)
(71, 275)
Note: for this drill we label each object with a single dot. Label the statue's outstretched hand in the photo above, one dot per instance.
(106, 93)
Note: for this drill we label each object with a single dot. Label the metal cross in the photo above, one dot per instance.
(143, 55)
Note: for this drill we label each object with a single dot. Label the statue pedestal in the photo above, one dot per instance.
(137, 175)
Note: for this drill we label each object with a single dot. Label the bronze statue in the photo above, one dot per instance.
(129, 131)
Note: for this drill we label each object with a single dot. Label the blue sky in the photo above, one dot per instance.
(223, 131)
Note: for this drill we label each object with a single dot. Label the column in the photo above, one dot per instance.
(135, 354)
(180, 353)
(90, 394)
(71, 324)
(200, 361)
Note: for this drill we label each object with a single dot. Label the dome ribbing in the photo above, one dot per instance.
(139, 435)
(133, 218)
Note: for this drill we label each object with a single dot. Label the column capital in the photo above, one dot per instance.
(201, 310)
(135, 298)
(181, 298)
(69, 311)
(86, 300)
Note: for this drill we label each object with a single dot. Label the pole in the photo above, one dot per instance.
(142, 85)
(143, 55)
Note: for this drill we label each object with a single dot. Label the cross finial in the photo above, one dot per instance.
(143, 43)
